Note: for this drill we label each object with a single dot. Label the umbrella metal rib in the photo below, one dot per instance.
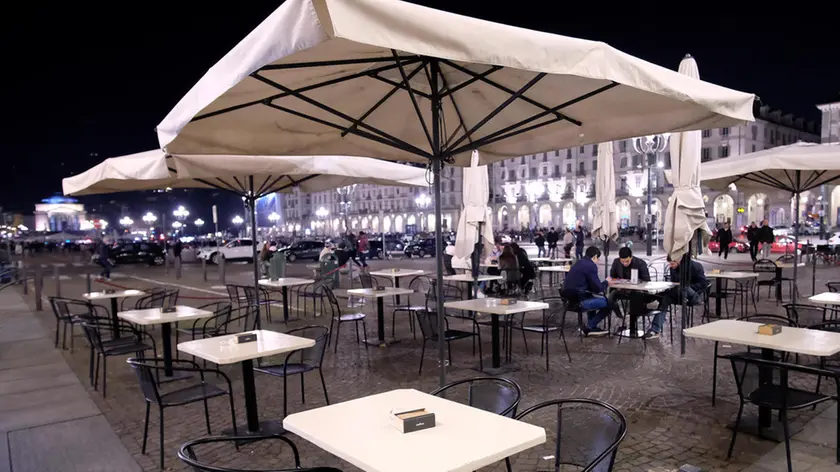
(441, 148)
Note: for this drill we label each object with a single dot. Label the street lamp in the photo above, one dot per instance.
(649, 147)
(237, 220)
(198, 223)
(535, 189)
(177, 225)
(322, 213)
(422, 201)
(345, 193)
(149, 218)
(273, 217)
(181, 213)
(126, 221)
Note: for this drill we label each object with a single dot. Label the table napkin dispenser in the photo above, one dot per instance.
(507, 301)
(109, 291)
(168, 310)
(380, 288)
(246, 338)
(769, 329)
(409, 421)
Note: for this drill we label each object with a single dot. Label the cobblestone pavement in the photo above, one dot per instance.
(665, 397)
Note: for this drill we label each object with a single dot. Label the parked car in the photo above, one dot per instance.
(303, 250)
(140, 252)
(421, 248)
(784, 245)
(236, 250)
(737, 246)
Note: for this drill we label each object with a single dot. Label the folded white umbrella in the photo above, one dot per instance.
(604, 211)
(686, 212)
(475, 216)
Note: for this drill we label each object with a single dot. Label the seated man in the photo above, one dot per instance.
(621, 269)
(583, 286)
(693, 291)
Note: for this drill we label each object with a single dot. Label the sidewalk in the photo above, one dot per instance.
(48, 423)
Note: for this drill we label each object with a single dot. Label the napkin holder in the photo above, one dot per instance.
(769, 329)
(409, 421)
(246, 338)
(380, 288)
(716, 271)
(109, 291)
(395, 270)
(507, 301)
(168, 310)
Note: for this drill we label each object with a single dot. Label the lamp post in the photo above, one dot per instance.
(237, 221)
(149, 218)
(198, 224)
(126, 221)
(649, 147)
(345, 193)
(535, 189)
(322, 214)
(181, 213)
(422, 201)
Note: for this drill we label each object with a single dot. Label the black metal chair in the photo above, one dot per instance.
(829, 363)
(301, 361)
(100, 335)
(833, 286)
(428, 322)
(553, 319)
(67, 313)
(187, 454)
(147, 371)
(763, 319)
(587, 434)
(805, 315)
(765, 267)
(765, 383)
(494, 394)
(420, 284)
(333, 310)
(200, 327)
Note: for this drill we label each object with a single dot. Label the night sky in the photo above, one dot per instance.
(88, 78)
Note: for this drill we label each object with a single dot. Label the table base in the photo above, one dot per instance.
(266, 427)
(501, 370)
(632, 334)
(385, 343)
(775, 432)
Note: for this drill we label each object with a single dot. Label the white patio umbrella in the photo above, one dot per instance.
(476, 220)
(686, 212)
(402, 82)
(795, 168)
(251, 177)
(604, 212)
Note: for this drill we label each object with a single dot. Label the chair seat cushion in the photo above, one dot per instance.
(772, 396)
(191, 394)
(128, 348)
(291, 369)
(351, 317)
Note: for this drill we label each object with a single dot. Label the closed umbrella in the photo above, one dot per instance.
(403, 82)
(604, 213)
(686, 212)
(474, 226)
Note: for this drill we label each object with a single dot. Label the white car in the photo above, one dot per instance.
(236, 250)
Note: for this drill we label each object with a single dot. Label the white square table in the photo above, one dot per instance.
(396, 274)
(463, 439)
(283, 284)
(473, 282)
(551, 270)
(720, 276)
(380, 296)
(223, 350)
(113, 297)
(826, 298)
(494, 308)
(811, 342)
(642, 287)
(156, 316)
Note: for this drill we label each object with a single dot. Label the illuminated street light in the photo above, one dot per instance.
(273, 217)
(649, 147)
(198, 223)
(237, 220)
(149, 218)
(126, 221)
(177, 224)
(423, 200)
(181, 213)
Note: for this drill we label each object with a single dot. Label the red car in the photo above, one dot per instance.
(783, 245)
(737, 246)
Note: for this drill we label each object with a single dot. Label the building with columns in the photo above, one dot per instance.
(557, 188)
(59, 214)
(830, 133)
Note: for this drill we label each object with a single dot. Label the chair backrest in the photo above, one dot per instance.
(189, 455)
(314, 355)
(586, 433)
(555, 314)
(66, 307)
(234, 293)
(170, 298)
(764, 266)
(494, 394)
(145, 375)
(450, 293)
(833, 286)
(366, 280)
(237, 322)
(805, 315)
(331, 302)
(221, 314)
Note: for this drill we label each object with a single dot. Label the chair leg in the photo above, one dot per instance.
(565, 345)
(337, 331)
(324, 386)
(364, 333)
(57, 328)
(787, 438)
(302, 390)
(422, 356)
(146, 428)
(104, 376)
(233, 415)
(735, 431)
(161, 438)
(285, 396)
(207, 417)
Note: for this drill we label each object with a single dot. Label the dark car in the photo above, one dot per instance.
(421, 248)
(303, 250)
(140, 252)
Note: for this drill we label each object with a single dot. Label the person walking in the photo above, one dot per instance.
(105, 259)
(364, 247)
(579, 242)
(539, 240)
(766, 237)
(724, 239)
(568, 243)
(752, 237)
(551, 238)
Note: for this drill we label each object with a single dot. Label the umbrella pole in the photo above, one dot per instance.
(437, 163)
(606, 256)
(796, 238)
(251, 200)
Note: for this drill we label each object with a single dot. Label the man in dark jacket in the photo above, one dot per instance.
(752, 237)
(621, 269)
(579, 242)
(551, 238)
(583, 286)
(539, 241)
(526, 269)
(693, 292)
(105, 259)
(766, 238)
(724, 236)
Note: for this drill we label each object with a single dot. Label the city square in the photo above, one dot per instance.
(476, 246)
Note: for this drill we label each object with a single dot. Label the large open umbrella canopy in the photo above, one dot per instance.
(252, 177)
(399, 81)
(795, 168)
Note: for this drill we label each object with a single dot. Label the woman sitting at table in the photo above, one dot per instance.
(509, 266)
(526, 268)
